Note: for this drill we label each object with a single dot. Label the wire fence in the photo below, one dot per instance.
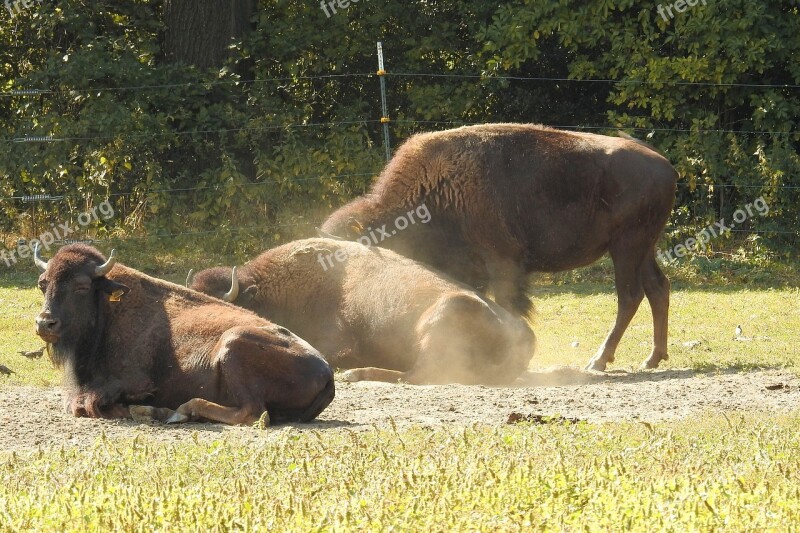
(31, 202)
(482, 77)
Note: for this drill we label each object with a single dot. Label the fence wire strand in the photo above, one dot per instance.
(465, 76)
(32, 140)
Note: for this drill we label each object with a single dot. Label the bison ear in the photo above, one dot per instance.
(115, 290)
(355, 226)
(248, 294)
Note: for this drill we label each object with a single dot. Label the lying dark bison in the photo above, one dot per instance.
(504, 200)
(369, 307)
(125, 338)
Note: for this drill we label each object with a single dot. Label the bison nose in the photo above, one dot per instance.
(47, 323)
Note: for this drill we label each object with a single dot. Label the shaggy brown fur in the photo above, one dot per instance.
(506, 200)
(167, 346)
(375, 308)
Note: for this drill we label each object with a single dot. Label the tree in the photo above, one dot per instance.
(192, 120)
(200, 32)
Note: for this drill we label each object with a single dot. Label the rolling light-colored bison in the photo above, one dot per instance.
(124, 338)
(370, 307)
(506, 200)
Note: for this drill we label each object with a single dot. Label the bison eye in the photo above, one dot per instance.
(43, 286)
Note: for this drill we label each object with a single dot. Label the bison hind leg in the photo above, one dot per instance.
(323, 400)
(269, 369)
(464, 339)
(628, 254)
(415, 376)
(374, 374)
(200, 409)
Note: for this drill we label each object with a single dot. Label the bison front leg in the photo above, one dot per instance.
(145, 414)
(509, 286)
(194, 409)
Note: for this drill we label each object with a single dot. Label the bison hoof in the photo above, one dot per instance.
(651, 363)
(596, 364)
(147, 414)
(655, 358)
(141, 413)
(351, 376)
(177, 418)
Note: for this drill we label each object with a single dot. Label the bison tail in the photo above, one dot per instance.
(647, 145)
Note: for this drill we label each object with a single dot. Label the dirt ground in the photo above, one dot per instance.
(31, 417)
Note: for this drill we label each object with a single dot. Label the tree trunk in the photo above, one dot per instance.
(198, 32)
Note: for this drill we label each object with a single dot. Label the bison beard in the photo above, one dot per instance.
(507, 200)
(83, 354)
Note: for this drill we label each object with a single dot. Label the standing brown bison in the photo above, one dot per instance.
(506, 200)
(370, 307)
(125, 338)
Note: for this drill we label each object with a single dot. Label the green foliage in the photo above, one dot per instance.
(263, 148)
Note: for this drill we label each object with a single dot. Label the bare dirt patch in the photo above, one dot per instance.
(32, 417)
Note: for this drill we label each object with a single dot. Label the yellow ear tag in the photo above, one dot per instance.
(116, 296)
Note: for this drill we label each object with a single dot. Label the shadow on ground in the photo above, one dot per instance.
(562, 376)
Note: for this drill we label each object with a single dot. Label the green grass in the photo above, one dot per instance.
(585, 313)
(731, 473)
(20, 302)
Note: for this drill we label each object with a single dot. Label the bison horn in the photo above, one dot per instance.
(189, 277)
(106, 267)
(37, 258)
(326, 235)
(232, 294)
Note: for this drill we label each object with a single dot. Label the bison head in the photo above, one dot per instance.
(222, 283)
(350, 221)
(75, 286)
